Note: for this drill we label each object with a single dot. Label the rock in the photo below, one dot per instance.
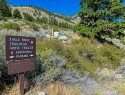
(119, 76)
(2, 22)
(63, 38)
(10, 20)
(48, 36)
(63, 41)
(99, 46)
(41, 93)
(53, 37)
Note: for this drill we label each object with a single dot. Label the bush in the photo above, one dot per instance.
(10, 25)
(5, 18)
(44, 26)
(122, 41)
(83, 55)
(1, 18)
(34, 26)
(53, 44)
(47, 66)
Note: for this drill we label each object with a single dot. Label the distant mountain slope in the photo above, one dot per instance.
(40, 13)
(70, 19)
(10, 5)
(74, 18)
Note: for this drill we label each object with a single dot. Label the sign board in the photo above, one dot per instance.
(20, 66)
(20, 47)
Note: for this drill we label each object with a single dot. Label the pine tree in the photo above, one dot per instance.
(60, 25)
(28, 17)
(16, 14)
(99, 18)
(37, 19)
(4, 9)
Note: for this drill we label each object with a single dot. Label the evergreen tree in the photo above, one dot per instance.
(4, 9)
(99, 18)
(60, 25)
(28, 17)
(16, 14)
(37, 19)
(34, 14)
(66, 25)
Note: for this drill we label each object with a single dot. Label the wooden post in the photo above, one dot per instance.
(21, 83)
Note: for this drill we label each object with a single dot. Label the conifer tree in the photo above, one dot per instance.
(4, 9)
(16, 14)
(98, 17)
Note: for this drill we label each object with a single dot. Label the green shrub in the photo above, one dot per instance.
(45, 26)
(34, 26)
(83, 55)
(47, 65)
(52, 44)
(10, 25)
(112, 54)
(122, 41)
(1, 18)
(5, 18)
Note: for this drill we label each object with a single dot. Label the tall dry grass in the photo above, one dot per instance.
(54, 88)
(58, 88)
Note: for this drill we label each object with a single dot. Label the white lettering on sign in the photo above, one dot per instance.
(14, 43)
(20, 43)
(14, 39)
(25, 39)
(11, 52)
(19, 52)
(24, 43)
(31, 42)
(30, 47)
(19, 56)
(14, 48)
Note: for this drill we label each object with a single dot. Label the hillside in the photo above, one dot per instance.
(40, 12)
(31, 11)
(74, 18)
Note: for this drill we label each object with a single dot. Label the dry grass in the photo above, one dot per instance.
(76, 36)
(14, 89)
(58, 88)
(55, 88)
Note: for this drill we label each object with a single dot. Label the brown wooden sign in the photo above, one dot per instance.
(20, 47)
(20, 66)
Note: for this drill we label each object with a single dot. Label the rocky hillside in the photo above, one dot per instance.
(74, 18)
(70, 19)
(31, 12)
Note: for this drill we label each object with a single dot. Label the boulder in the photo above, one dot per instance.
(41, 93)
(63, 38)
(53, 37)
(48, 36)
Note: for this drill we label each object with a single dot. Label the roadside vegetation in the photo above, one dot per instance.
(53, 58)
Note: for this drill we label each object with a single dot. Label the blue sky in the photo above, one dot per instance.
(67, 7)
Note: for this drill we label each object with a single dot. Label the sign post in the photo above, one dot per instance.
(21, 83)
(19, 48)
